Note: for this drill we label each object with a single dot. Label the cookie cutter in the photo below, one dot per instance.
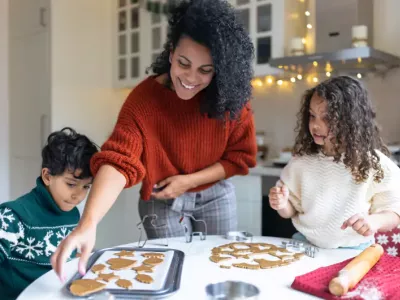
(299, 246)
(140, 226)
(189, 235)
(239, 236)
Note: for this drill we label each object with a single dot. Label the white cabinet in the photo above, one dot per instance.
(138, 37)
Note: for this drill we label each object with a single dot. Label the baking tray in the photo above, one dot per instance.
(170, 286)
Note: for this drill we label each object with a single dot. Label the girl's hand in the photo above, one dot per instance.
(278, 197)
(362, 225)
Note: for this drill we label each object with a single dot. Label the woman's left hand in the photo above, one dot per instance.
(363, 225)
(173, 187)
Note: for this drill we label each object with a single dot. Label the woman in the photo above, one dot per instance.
(182, 132)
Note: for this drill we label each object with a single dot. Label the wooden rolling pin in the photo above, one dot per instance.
(355, 270)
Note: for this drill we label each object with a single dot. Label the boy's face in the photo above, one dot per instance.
(66, 189)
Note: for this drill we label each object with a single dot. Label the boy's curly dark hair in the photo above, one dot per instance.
(68, 150)
(214, 24)
(351, 120)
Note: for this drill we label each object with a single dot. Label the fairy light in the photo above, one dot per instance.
(299, 77)
(309, 26)
(293, 79)
(315, 64)
(279, 82)
(315, 79)
(359, 76)
(304, 41)
(359, 60)
(269, 80)
(307, 13)
(328, 74)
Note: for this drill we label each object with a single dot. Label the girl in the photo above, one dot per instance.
(340, 187)
(181, 132)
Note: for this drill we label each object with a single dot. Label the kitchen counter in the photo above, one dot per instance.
(266, 169)
(198, 271)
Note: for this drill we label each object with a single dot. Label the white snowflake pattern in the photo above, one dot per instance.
(396, 238)
(382, 239)
(62, 234)
(4, 217)
(31, 248)
(392, 251)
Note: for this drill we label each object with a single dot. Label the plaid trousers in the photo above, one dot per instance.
(216, 206)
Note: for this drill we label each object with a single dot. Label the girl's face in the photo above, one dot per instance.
(318, 123)
(192, 68)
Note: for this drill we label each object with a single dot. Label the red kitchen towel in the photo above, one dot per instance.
(382, 282)
(390, 241)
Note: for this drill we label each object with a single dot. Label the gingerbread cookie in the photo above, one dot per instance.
(144, 269)
(224, 267)
(217, 258)
(125, 284)
(143, 278)
(247, 266)
(120, 263)
(153, 254)
(125, 253)
(96, 269)
(84, 287)
(268, 264)
(153, 261)
(107, 277)
(239, 255)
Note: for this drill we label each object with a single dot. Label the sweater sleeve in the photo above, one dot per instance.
(386, 196)
(240, 153)
(11, 230)
(124, 147)
(290, 178)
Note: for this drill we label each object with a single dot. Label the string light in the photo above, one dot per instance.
(315, 79)
(269, 80)
(328, 74)
(309, 26)
(279, 82)
(303, 40)
(359, 76)
(307, 13)
(293, 79)
(299, 77)
(359, 59)
(315, 64)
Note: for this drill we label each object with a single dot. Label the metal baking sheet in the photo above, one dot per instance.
(167, 276)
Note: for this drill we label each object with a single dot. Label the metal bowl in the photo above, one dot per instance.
(232, 290)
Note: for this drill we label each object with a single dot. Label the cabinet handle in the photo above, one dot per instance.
(42, 20)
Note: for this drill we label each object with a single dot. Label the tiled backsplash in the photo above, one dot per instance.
(276, 107)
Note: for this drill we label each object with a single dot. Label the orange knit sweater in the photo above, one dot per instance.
(159, 135)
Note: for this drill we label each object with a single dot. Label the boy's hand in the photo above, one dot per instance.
(362, 225)
(279, 197)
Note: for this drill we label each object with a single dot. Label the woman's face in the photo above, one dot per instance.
(192, 68)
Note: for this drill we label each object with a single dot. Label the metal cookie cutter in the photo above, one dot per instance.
(295, 245)
(189, 235)
(140, 226)
(239, 236)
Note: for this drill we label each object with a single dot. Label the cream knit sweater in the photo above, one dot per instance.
(325, 195)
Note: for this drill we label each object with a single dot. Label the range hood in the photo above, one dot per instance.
(334, 21)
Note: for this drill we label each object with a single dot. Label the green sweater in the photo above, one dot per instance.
(31, 227)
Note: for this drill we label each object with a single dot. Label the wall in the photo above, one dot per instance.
(4, 102)
(276, 107)
(83, 97)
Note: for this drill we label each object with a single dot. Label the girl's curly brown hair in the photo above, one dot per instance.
(351, 120)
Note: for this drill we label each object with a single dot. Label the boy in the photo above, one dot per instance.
(32, 226)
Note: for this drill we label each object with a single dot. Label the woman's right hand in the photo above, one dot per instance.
(82, 238)
(279, 197)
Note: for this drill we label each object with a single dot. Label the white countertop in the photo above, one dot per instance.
(266, 169)
(198, 271)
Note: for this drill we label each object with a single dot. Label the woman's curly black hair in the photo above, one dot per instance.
(351, 120)
(214, 24)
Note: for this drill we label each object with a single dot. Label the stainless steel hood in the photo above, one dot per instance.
(333, 42)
